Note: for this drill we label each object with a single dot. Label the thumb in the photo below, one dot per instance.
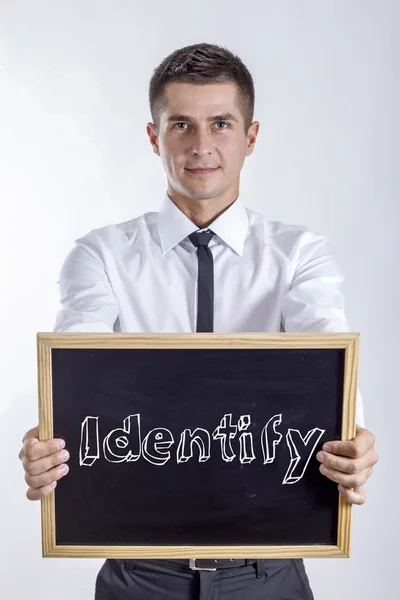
(32, 433)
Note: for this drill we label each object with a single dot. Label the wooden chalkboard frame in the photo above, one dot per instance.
(349, 342)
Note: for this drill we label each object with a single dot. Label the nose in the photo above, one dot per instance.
(201, 144)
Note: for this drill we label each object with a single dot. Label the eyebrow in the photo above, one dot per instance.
(223, 117)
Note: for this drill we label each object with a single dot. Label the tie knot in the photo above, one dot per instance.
(201, 238)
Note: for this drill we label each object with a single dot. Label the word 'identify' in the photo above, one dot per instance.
(126, 443)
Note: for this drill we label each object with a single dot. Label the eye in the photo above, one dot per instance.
(219, 122)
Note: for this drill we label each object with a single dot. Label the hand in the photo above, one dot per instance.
(41, 461)
(350, 464)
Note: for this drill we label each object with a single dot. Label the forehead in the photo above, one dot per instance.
(200, 100)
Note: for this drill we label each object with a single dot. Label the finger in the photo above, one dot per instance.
(355, 496)
(350, 481)
(40, 493)
(340, 448)
(347, 465)
(33, 449)
(42, 465)
(37, 481)
(355, 448)
(32, 433)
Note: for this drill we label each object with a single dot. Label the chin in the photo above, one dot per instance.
(205, 195)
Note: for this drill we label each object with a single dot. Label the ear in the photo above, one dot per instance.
(252, 136)
(153, 136)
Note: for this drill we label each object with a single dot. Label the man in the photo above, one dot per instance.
(203, 263)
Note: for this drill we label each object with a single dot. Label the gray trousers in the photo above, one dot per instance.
(269, 579)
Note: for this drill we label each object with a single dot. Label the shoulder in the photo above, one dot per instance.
(289, 238)
(110, 237)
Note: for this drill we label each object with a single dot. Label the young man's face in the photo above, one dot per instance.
(202, 128)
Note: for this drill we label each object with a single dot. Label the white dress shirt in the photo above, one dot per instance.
(141, 276)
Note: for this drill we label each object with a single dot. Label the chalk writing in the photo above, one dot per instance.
(126, 444)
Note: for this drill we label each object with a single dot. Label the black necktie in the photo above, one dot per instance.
(205, 280)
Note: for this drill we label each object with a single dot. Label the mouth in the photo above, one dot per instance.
(201, 171)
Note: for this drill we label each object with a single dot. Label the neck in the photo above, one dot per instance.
(202, 212)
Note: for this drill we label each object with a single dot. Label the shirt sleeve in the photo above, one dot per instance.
(87, 299)
(315, 302)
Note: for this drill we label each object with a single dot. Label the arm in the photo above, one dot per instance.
(315, 302)
(88, 302)
(88, 305)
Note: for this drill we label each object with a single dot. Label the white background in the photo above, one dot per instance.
(74, 155)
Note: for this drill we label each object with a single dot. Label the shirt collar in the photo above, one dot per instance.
(174, 226)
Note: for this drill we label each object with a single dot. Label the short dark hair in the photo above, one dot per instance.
(202, 64)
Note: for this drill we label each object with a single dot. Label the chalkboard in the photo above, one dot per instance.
(196, 445)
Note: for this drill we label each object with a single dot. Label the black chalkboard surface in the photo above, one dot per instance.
(197, 444)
